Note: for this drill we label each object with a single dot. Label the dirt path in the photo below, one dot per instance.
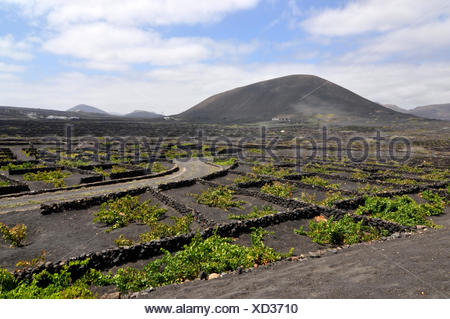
(411, 267)
(192, 169)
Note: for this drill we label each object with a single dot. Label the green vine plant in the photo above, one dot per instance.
(33, 262)
(4, 183)
(51, 177)
(270, 170)
(330, 199)
(225, 162)
(278, 189)
(402, 209)
(101, 171)
(247, 178)
(339, 232)
(221, 197)
(14, 235)
(118, 213)
(25, 165)
(255, 213)
(212, 255)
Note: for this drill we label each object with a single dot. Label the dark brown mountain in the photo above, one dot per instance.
(296, 98)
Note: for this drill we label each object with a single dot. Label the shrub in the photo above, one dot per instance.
(255, 213)
(402, 181)
(118, 169)
(359, 174)
(25, 165)
(318, 181)
(51, 177)
(212, 255)
(250, 177)
(157, 167)
(33, 262)
(15, 235)
(283, 190)
(121, 241)
(4, 183)
(371, 189)
(73, 163)
(437, 175)
(400, 209)
(342, 231)
(225, 162)
(120, 212)
(318, 168)
(45, 285)
(221, 197)
(331, 198)
(270, 170)
(182, 225)
(101, 171)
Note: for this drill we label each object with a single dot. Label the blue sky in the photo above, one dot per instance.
(167, 55)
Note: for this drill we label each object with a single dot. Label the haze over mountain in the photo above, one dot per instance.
(435, 111)
(395, 108)
(299, 98)
(86, 109)
(139, 114)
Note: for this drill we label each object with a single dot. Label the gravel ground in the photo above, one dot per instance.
(406, 267)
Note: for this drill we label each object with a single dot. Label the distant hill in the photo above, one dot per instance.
(86, 109)
(395, 108)
(138, 114)
(436, 111)
(299, 98)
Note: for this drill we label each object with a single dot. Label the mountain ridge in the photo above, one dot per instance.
(296, 98)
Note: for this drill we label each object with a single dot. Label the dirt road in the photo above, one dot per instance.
(188, 169)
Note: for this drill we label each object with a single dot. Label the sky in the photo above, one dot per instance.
(168, 55)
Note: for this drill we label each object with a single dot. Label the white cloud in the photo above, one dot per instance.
(425, 41)
(172, 90)
(10, 68)
(131, 12)
(112, 35)
(109, 47)
(12, 49)
(363, 16)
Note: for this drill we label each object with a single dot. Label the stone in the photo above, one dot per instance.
(314, 255)
(213, 276)
(113, 295)
(396, 235)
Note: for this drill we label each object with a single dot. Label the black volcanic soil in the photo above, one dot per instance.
(67, 234)
(411, 267)
(284, 238)
(184, 195)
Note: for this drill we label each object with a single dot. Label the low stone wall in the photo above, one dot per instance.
(91, 179)
(88, 201)
(128, 174)
(112, 257)
(13, 187)
(100, 183)
(34, 170)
